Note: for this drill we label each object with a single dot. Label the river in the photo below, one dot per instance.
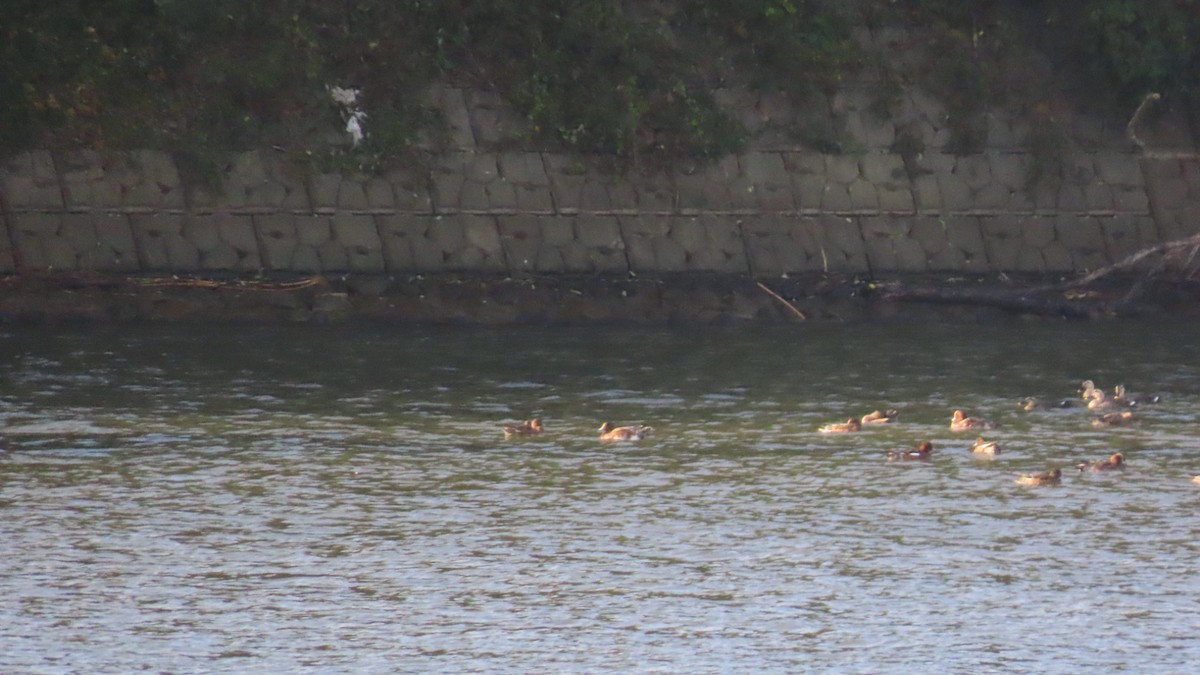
(341, 499)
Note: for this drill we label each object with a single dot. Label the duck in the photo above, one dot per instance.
(1196, 479)
(1052, 477)
(983, 447)
(1086, 389)
(1115, 419)
(526, 428)
(1123, 398)
(876, 417)
(923, 451)
(1031, 403)
(1114, 463)
(1098, 400)
(631, 433)
(960, 422)
(848, 426)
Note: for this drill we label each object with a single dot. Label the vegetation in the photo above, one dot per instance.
(628, 79)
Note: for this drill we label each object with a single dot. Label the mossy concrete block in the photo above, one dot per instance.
(521, 237)
(237, 247)
(863, 196)
(277, 232)
(115, 249)
(695, 191)
(1071, 198)
(878, 236)
(640, 234)
(359, 236)
(1130, 199)
(399, 236)
(90, 181)
(1121, 236)
(777, 244)
(1007, 169)
(1118, 168)
(1058, 258)
(1084, 239)
(323, 189)
(841, 243)
(161, 244)
(1099, 197)
(352, 193)
(1003, 238)
(991, 197)
(410, 189)
(966, 235)
(974, 170)
(493, 122)
(809, 190)
(7, 261)
(158, 184)
(30, 181)
(378, 191)
(1029, 259)
(332, 257)
(928, 194)
(39, 242)
(451, 103)
(480, 249)
(448, 177)
(835, 197)
(842, 169)
(769, 180)
(955, 192)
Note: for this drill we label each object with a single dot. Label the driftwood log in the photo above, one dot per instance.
(1113, 290)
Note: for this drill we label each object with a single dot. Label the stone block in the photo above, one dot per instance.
(879, 234)
(1121, 236)
(777, 245)
(842, 169)
(277, 232)
(494, 124)
(400, 236)
(378, 192)
(451, 103)
(1071, 198)
(236, 248)
(955, 193)
(836, 197)
(927, 193)
(809, 191)
(359, 236)
(641, 232)
(1003, 238)
(324, 188)
(410, 190)
(159, 186)
(696, 191)
(769, 179)
(1058, 258)
(352, 194)
(1029, 259)
(1129, 199)
(1008, 169)
(841, 244)
(863, 196)
(482, 249)
(115, 248)
(965, 234)
(30, 181)
(1118, 168)
(521, 237)
(161, 244)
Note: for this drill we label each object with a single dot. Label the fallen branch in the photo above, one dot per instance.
(780, 298)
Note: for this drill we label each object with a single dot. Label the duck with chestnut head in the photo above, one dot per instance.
(960, 422)
(631, 433)
(921, 453)
(1051, 477)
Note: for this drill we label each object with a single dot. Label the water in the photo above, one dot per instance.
(341, 499)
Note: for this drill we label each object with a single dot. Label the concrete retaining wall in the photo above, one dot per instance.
(773, 209)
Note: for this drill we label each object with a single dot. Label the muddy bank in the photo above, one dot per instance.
(496, 299)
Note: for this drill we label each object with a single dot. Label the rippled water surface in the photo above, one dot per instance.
(342, 500)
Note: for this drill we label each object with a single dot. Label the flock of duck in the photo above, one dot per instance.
(1114, 411)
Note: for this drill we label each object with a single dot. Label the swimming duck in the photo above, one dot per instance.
(841, 428)
(1196, 479)
(1098, 400)
(1031, 403)
(526, 428)
(1123, 398)
(921, 453)
(876, 417)
(1114, 419)
(1086, 389)
(632, 433)
(1053, 477)
(1114, 463)
(983, 447)
(961, 422)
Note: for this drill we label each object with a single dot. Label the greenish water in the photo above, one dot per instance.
(341, 499)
